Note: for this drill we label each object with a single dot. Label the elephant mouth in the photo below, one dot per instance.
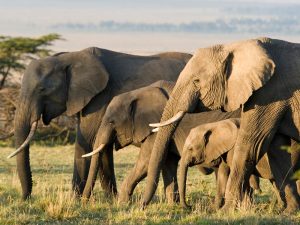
(46, 119)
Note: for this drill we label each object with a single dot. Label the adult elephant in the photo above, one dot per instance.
(261, 75)
(82, 83)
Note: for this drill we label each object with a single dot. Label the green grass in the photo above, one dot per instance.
(53, 201)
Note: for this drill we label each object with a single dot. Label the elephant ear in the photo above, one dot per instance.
(149, 106)
(220, 138)
(248, 68)
(86, 76)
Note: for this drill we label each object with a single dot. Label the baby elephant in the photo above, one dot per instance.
(212, 145)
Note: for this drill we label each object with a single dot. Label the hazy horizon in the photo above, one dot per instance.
(149, 26)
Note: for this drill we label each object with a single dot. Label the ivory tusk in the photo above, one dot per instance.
(155, 130)
(175, 118)
(101, 147)
(26, 142)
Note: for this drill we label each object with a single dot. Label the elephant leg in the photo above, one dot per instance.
(86, 130)
(169, 174)
(282, 170)
(107, 171)
(81, 165)
(139, 172)
(295, 155)
(280, 197)
(222, 178)
(254, 183)
(288, 194)
(258, 127)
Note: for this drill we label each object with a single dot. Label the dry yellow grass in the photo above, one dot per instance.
(53, 201)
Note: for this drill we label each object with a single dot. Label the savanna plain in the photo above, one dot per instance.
(53, 201)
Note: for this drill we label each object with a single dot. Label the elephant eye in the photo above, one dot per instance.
(41, 89)
(196, 82)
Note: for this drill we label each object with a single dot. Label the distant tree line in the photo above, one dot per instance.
(290, 25)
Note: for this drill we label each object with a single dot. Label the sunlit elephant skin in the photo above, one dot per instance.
(126, 122)
(83, 83)
(212, 145)
(262, 75)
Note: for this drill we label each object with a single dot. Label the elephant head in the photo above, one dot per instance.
(222, 76)
(126, 122)
(64, 82)
(204, 145)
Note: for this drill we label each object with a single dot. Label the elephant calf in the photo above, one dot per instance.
(212, 145)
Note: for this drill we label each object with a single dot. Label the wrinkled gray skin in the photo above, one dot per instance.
(260, 74)
(212, 145)
(126, 121)
(83, 83)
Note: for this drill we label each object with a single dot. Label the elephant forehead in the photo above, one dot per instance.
(40, 67)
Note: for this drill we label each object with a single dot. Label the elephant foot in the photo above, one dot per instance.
(219, 202)
(290, 210)
(229, 206)
(172, 198)
(123, 198)
(84, 200)
(184, 205)
(257, 191)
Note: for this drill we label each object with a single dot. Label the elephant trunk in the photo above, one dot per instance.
(183, 169)
(90, 183)
(23, 125)
(182, 100)
(103, 138)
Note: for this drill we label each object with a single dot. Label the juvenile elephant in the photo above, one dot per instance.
(126, 122)
(212, 145)
(261, 75)
(82, 83)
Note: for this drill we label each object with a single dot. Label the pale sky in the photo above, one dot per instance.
(37, 17)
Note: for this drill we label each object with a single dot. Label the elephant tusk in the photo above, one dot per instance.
(155, 130)
(26, 142)
(101, 147)
(175, 118)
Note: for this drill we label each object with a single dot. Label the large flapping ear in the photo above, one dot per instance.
(222, 137)
(149, 106)
(86, 76)
(248, 68)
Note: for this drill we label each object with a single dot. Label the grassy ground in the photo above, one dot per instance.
(53, 202)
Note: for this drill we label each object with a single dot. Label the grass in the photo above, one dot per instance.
(53, 201)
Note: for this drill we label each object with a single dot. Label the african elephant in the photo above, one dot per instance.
(82, 83)
(261, 75)
(126, 122)
(212, 145)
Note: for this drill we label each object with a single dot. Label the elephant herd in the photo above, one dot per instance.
(227, 109)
